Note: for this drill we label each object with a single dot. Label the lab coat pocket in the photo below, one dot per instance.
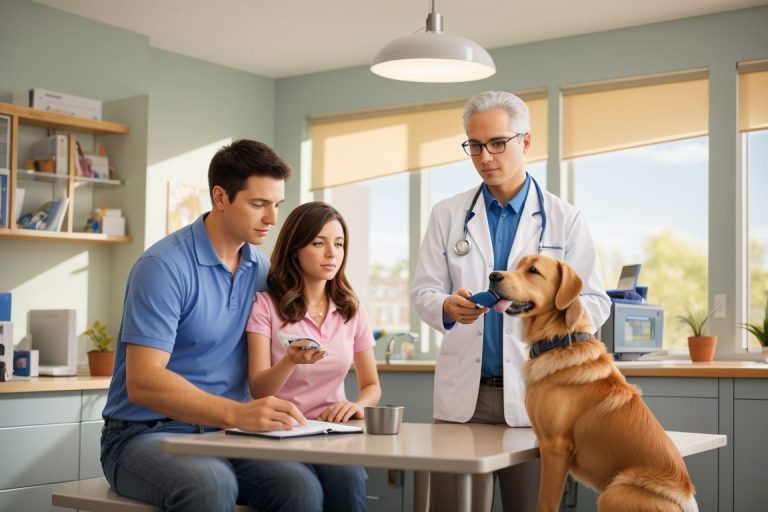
(553, 250)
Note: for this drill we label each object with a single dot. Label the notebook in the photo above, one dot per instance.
(310, 428)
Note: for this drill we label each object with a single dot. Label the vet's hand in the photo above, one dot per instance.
(268, 413)
(341, 412)
(296, 355)
(460, 309)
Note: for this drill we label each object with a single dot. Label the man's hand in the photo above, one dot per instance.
(341, 412)
(268, 413)
(461, 310)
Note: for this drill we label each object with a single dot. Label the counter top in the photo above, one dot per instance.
(48, 384)
(666, 368)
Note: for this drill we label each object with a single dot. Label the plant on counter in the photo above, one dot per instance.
(696, 320)
(759, 331)
(98, 335)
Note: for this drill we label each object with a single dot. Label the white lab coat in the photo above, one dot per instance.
(440, 272)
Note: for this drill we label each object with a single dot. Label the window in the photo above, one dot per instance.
(637, 157)
(649, 205)
(757, 176)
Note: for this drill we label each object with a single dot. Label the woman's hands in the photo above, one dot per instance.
(341, 412)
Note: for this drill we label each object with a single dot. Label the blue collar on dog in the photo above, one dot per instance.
(542, 346)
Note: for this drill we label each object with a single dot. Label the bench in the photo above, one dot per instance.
(96, 495)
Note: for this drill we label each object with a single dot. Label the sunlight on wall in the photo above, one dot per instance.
(63, 286)
(186, 169)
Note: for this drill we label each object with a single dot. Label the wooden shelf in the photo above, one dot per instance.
(24, 175)
(31, 116)
(62, 236)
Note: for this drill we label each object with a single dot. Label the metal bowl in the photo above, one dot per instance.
(383, 419)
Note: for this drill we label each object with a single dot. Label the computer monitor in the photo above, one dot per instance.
(628, 277)
(53, 333)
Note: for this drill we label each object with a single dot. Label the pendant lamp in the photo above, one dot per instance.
(433, 56)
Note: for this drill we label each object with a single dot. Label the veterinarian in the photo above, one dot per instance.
(490, 227)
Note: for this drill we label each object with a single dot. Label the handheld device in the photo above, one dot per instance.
(309, 345)
(484, 299)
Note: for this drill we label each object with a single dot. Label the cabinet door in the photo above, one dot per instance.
(750, 454)
(90, 449)
(39, 408)
(39, 455)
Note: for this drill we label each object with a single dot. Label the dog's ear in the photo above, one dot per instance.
(573, 313)
(570, 286)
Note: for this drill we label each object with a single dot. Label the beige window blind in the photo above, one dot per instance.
(611, 116)
(753, 96)
(368, 145)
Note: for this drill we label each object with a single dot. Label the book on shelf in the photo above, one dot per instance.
(20, 194)
(83, 165)
(5, 198)
(310, 428)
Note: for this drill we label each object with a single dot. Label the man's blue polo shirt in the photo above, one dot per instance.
(502, 222)
(181, 299)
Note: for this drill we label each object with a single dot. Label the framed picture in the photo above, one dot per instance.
(185, 204)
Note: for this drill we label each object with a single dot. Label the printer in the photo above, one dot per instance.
(634, 327)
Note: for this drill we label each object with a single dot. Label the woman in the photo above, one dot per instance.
(310, 299)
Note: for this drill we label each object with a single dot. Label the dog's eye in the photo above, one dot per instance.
(533, 270)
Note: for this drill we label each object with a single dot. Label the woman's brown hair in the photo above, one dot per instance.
(285, 281)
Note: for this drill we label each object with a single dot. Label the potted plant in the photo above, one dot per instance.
(759, 331)
(102, 359)
(701, 347)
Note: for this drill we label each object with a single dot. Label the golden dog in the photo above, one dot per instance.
(587, 418)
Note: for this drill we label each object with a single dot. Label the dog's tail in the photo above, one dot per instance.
(673, 485)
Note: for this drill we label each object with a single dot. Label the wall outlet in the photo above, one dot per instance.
(719, 306)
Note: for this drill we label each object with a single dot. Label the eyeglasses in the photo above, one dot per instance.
(494, 147)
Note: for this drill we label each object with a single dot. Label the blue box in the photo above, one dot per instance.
(5, 307)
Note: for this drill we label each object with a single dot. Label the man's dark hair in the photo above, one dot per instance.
(232, 165)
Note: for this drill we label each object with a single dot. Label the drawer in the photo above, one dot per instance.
(39, 455)
(39, 408)
(756, 389)
(94, 401)
(676, 386)
(90, 449)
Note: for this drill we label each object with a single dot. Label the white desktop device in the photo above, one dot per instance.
(52, 332)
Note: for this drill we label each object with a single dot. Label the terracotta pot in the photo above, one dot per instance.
(101, 363)
(702, 348)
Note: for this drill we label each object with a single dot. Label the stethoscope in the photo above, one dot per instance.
(463, 246)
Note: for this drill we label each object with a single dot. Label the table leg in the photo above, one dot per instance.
(464, 492)
(421, 491)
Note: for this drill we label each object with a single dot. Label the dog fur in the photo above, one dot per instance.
(588, 420)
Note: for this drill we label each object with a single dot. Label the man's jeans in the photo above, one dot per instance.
(136, 468)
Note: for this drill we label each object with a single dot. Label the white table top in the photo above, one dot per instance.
(456, 448)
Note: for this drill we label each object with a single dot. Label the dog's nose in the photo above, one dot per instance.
(495, 277)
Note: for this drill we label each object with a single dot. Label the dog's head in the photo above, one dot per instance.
(540, 286)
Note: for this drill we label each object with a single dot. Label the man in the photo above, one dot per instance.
(181, 362)
(478, 373)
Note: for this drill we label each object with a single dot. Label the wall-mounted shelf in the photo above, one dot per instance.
(24, 116)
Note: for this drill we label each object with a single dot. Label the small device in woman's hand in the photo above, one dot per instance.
(308, 344)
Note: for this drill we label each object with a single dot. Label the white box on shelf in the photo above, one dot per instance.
(112, 225)
(59, 102)
(56, 148)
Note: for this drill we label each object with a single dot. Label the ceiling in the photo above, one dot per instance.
(276, 39)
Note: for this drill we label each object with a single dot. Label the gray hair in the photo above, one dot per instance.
(519, 117)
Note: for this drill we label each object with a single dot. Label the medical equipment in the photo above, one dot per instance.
(463, 246)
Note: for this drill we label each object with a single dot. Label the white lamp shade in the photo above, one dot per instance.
(433, 57)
